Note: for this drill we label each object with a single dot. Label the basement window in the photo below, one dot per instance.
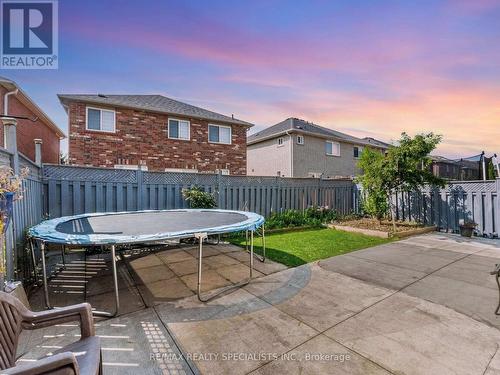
(100, 120)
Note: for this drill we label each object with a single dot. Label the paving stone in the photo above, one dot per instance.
(208, 251)
(187, 267)
(210, 280)
(228, 248)
(407, 335)
(219, 261)
(329, 298)
(237, 272)
(172, 256)
(319, 356)
(145, 262)
(381, 274)
(263, 331)
(164, 290)
(152, 274)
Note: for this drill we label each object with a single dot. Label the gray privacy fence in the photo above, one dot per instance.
(26, 211)
(71, 190)
(446, 208)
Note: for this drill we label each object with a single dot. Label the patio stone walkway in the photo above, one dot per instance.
(424, 305)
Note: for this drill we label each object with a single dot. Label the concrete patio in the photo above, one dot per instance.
(424, 305)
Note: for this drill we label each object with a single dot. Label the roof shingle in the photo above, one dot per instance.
(298, 125)
(155, 103)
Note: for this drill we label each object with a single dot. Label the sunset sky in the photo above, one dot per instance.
(368, 68)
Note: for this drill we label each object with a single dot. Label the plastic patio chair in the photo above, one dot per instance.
(81, 357)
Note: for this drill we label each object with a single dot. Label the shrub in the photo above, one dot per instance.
(198, 198)
(313, 216)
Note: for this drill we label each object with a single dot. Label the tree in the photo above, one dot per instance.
(405, 167)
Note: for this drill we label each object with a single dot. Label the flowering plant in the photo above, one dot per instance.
(10, 190)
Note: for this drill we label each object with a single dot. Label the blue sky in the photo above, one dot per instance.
(370, 68)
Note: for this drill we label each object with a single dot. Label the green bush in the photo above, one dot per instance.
(375, 204)
(313, 216)
(198, 198)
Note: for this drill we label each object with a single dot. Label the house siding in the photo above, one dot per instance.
(141, 138)
(311, 157)
(28, 131)
(267, 158)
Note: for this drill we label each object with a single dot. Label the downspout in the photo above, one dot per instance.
(6, 101)
(291, 152)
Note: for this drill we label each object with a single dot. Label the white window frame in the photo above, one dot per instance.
(281, 141)
(100, 119)
(221, 126)
(332, 143)
(179, 120)
(300, 137)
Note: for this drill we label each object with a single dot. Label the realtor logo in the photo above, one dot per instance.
(29, 34)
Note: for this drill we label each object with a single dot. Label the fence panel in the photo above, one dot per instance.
(72, 190)
(446, 208)
(27, 211)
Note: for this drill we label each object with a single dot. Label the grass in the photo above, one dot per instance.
(304, 246)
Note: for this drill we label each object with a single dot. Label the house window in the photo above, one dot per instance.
(332, 148)
(300, 140)
(100, 119)
(280, 141)
(357, 151)
(219, 134)
(178, 129)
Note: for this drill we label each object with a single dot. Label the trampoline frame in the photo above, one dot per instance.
(201, 236)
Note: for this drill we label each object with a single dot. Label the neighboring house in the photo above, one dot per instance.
(462, 170)
(18, 103)
(297, 148)
(153, 132)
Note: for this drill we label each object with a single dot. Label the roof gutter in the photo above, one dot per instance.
(6, 100)
(287, 132)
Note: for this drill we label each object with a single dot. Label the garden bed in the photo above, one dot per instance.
(383, 229)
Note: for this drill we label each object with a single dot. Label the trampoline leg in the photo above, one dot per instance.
(115, 284)
(63, 256)
(44, 269)
(263, 244)
(251, 255)
(33, 259)
(246, 240)
(201, 237)
(115, 280)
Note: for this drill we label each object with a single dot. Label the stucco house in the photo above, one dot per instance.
(297, 148)
(153, 132)
(15, 102)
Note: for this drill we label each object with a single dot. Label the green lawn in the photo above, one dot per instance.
(300, 247)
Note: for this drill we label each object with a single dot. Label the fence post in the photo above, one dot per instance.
(38, 151)
(140, 186)
(218, 182)
(10, 141)
(497, 208)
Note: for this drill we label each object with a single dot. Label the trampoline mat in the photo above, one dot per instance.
(148, 223)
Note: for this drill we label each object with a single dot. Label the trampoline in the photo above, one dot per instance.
(110, 230)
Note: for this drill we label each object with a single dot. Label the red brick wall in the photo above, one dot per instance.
(141, 137)
(27, 131)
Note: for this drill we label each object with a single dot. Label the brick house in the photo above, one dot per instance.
(18, 103)
(153, 132)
